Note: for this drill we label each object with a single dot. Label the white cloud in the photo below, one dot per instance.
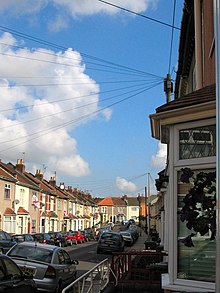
(74, 8)
(22, 6)
(124, 185)
(158, 161)
(88, 7)
(57, 24)
(59, 99)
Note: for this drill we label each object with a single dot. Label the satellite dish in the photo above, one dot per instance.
(16, 201)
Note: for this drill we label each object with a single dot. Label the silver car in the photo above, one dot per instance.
(50, 265)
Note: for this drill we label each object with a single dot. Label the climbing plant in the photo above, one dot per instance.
(199, 209)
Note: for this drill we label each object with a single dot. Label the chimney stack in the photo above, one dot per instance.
(52, 181)
(39, 174)
(20, 165)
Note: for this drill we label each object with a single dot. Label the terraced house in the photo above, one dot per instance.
(187, 124)
(30, 203)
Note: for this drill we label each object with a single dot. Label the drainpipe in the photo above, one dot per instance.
(217, 65)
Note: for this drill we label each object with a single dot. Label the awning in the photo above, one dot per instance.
(9, 212)
(72, 216)
(22, 211)
(52, 214)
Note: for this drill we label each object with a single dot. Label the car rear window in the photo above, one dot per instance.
(32, 252)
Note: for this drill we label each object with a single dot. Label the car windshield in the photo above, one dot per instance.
(32, 252)
(110, 236)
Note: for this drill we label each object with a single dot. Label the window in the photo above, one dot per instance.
(195, 262)
(192, 266)
(197, 142)
(59, 205)
(7, 191)
(22, 194)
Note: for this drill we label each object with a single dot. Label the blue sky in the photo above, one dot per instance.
(78, 81)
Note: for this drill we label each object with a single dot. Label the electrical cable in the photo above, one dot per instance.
(138, 14)
(71, 109)
(49, 130)
(53, 45)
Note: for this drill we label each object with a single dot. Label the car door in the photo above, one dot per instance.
(67, 270)
(11, 278)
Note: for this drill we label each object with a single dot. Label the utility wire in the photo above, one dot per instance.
(71, 109)
(53, 45)
(74, 98)
(49, 130)
(141, 15)
(135, 71)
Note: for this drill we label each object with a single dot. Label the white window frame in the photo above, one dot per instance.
(175, 166)
(8, 188)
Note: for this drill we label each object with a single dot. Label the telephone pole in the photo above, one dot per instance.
(148, 202)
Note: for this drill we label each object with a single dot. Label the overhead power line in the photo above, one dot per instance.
(56, 46)
(138, 14)
(75, 121)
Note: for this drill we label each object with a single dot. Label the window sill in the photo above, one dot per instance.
(167, 286)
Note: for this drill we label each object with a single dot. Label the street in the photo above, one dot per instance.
(86, 254)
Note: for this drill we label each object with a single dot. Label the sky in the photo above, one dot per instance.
(78, 81)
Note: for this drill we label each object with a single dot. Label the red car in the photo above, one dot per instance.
(79, 237)
(71, 238)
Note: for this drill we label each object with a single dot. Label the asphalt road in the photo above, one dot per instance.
(86, 254)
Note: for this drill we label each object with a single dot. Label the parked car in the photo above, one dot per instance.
(70, 237)
(43, 238)
(59, 239)
(99, 231)
(134, 230)
(111, 225)
(80, 238)
(128, 238)
(90, 233)
(86, 235)
(6, 241)
(12, 279)
(124, 222)
(51, 266)
(22, 237)
(110, 241)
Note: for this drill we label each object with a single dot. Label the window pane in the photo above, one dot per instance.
(197, 142)
(194, 262)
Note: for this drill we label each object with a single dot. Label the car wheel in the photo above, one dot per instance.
(58, 288)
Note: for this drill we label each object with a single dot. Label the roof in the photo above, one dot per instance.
(22, 211)
(9, 212)
(112, 201)
(132, 201)
(7, 176)
(203, 95)
(107, 201)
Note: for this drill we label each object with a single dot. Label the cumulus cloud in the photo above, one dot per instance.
(158, 161)
(42, 104)
(22, 7)
(125, 185)
(74, 8)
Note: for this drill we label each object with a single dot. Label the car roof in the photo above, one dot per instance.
(40, 245)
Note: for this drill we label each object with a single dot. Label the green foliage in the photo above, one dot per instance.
(199, 210)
